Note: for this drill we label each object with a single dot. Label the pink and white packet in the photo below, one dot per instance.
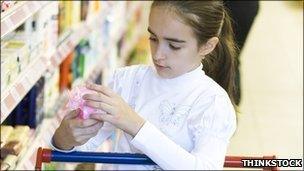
(76, 101)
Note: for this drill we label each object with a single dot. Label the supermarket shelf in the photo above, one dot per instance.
(100, 65)
(27, 79)
(67, 45)
(121, 30)
(19, 88)
(28, 144)
(129, 47)
(27, 161)
(20, 12)
(77, 33)
(48, 126)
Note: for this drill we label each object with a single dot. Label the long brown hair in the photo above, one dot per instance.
(210, 19)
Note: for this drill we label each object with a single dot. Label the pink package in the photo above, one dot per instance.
(76, 101)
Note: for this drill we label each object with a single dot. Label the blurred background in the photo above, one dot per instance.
(49, 47)
(271, 109)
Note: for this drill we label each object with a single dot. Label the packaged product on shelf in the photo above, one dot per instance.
(11, 147)
(53, 24)
(5, 5)
(9, 68)
(105, 33)
(61, 17)
(139, 55)
(46, 22)
(6, 130)
(51, 92)
(29, 111)
(32, 42)
(16, 141)
(80, 58)
(84, 10)
(5, 80)
(66, 11)
(9, 162)
(19, 50)
(20, 133)
(76, 12)
(93, 9)
(66, 75)
(36, 118)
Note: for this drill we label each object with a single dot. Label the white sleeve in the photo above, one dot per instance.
(104, 133)
(210, 129)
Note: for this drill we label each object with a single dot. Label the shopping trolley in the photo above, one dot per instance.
(47, 155)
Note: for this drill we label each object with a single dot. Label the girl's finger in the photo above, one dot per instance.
(99, 97)
(103, 117)
(80, 123)
(99, 105)
(71, 114)
(92, 130)
(102, 89)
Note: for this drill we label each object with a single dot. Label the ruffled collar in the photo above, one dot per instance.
(181, 80)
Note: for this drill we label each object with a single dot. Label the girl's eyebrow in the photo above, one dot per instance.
(167, 38)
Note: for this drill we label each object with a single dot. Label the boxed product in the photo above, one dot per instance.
(16, 141)
(29, 111)
(66, 76)
(18, 49)
(5, 80)
(51, 92)
(9, 162)
(76, 102)
(32, 41)
(9, 68)
(6, 130)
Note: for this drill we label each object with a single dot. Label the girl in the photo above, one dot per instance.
(177, 112)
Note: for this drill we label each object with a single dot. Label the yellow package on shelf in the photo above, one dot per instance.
(68, 13)
(19, 49)
(5, 80)
(9, 162)
(75, 12)
(20, 133)
(16, 141)
(32, 41)
(51, 92)
(6, 130)
(9, 68)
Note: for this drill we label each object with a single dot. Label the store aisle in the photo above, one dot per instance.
(271, 118)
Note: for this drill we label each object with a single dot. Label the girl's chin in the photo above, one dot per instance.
(164, 75)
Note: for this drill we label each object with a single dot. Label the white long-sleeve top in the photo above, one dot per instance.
(189, 119)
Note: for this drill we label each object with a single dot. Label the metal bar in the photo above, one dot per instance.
(94, 157)
(47, 155)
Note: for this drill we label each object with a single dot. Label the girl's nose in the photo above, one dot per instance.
(159, 55)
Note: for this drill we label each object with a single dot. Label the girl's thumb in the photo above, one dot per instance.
(73, 114)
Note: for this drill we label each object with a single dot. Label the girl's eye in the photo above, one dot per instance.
(173, 47)
(153, 39)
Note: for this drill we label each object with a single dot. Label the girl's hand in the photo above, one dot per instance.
(74, 131)
(119, 113)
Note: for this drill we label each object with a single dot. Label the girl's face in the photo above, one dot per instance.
(173, 45)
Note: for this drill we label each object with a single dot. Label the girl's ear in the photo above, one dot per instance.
(208, 47)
